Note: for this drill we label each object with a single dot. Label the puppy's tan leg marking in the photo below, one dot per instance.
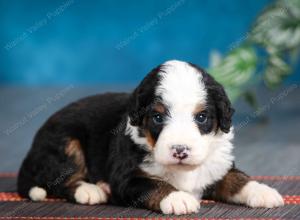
(74, 151)
(84, 193)
(230, 185)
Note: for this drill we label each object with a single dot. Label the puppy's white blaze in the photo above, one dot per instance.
(87, 193)
(181, 85)
(256, 194)
(37, 193)
(182, 90)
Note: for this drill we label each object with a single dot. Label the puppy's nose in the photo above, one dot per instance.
(179, 148)
(180, 151)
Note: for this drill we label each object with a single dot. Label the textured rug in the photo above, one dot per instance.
(12, 206)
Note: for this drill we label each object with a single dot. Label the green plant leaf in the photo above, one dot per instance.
(276, 70)
(235, 70)
(277, 31)
(278, 26)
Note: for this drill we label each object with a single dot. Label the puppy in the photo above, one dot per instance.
(163, 147)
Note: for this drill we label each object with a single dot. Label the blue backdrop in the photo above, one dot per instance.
(87, 42)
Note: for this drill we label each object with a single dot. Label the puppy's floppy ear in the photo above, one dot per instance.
(221, 101)
(142, 97)
(224, 109)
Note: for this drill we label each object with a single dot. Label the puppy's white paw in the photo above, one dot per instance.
(87, 193)
(37, 193)
(179, 203)
(256, 194)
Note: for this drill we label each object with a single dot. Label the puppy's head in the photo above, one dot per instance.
(178, 112)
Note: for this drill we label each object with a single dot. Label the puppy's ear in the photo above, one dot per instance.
(136, 108)
(142, 98)
(224, 109)
(221, 101)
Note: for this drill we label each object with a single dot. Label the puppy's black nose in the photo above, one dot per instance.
(179, 148)
(180, 151)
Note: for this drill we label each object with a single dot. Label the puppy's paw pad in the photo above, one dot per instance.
(87, 193)
(260, 195)
(179, 203)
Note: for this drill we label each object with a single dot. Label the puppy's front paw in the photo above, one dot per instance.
(179, 203)
(256, 194)
(87, 193)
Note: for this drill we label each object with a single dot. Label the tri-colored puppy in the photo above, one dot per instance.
(163, 147)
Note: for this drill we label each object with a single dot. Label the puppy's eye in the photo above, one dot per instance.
(158, 118)
(201, 118)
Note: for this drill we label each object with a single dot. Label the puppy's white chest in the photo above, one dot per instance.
(192, 181)
(188, 181)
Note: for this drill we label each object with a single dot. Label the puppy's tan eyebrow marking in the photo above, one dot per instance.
(199, 108)
(158, 107)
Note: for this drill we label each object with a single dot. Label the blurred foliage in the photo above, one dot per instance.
(234, 70)
(267, 53)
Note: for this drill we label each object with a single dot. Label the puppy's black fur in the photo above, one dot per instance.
(91, 121)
